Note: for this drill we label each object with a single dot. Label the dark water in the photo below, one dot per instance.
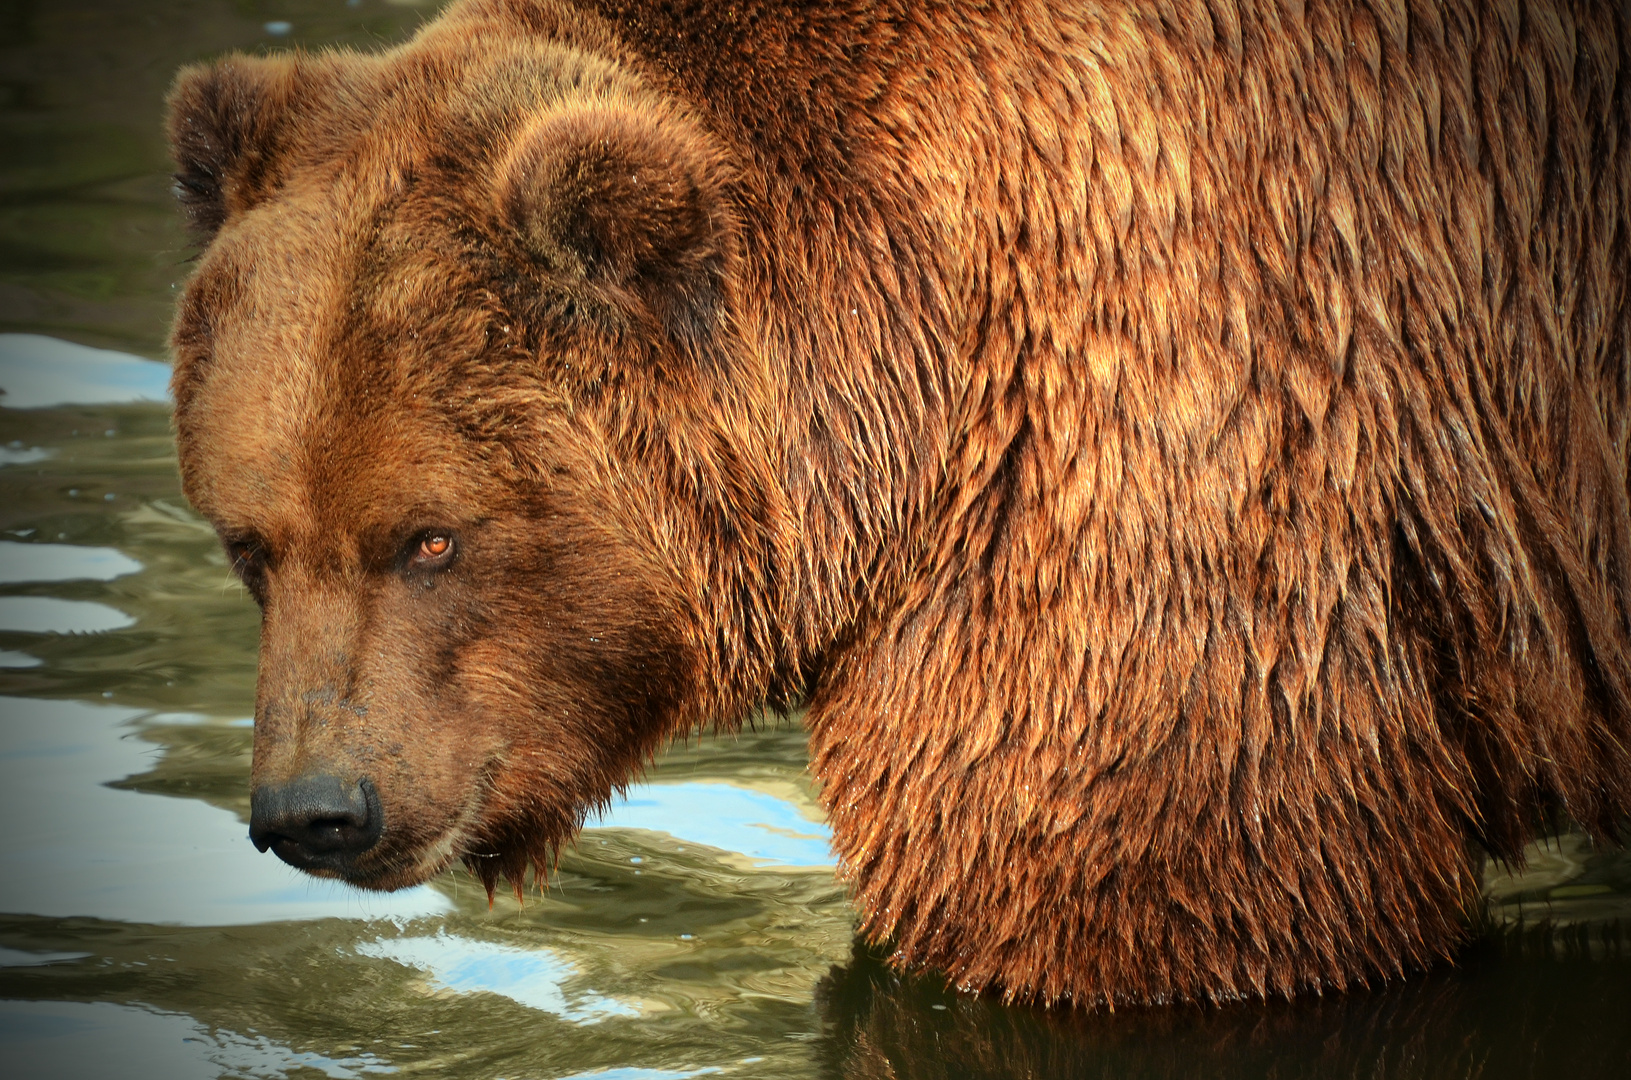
(698, 931)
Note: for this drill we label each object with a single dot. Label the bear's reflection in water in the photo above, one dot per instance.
(1514, 1006)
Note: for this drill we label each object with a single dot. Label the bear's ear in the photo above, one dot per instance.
(626, 208)
(223, 123)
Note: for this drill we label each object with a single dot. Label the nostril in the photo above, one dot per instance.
(316, 820)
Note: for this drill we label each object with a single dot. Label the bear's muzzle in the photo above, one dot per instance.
(317, 822)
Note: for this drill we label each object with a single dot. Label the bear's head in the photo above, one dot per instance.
(456, 383)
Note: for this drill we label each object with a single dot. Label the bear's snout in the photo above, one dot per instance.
(316, 822)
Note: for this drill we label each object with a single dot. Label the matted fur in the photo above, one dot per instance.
(1178, 450)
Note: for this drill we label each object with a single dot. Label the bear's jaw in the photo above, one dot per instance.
(424, 864)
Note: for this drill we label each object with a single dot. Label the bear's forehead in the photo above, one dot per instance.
(347, 309)
(453, 106)
(311, 455)
(382, 219)
(377, 243)
(323, 399)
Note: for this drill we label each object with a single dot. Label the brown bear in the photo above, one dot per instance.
(1177, 450)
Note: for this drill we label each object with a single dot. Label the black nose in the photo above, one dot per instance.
(316, 822)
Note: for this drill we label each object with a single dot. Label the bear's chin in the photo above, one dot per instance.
(393, 876)
(400, 870)
(382, 878)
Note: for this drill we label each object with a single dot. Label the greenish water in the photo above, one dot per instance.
(697, 931)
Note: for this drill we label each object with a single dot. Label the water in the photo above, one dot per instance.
(697, 931)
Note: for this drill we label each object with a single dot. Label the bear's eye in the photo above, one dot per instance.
(248, 563)
(246, 556)
(432, 551)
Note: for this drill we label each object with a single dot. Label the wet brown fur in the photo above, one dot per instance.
(1178, 450)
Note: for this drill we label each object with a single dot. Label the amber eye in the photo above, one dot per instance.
(433, 550)
(245, 555)
(249, 563)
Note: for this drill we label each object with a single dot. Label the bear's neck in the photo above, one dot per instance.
(856, 277)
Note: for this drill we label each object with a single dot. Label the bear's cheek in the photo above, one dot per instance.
(578, 704)
(428, 743)
(574, 668)
(507, 699)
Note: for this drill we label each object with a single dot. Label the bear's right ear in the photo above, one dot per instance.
(224, 118)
